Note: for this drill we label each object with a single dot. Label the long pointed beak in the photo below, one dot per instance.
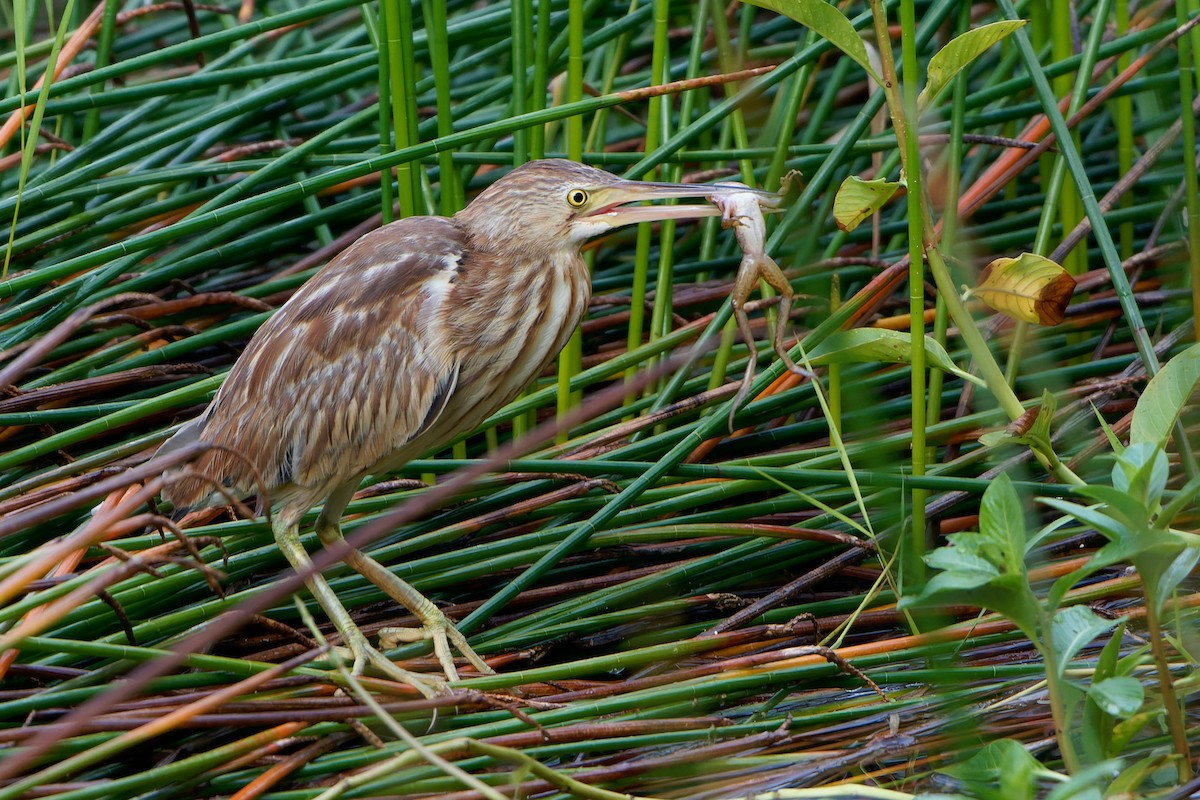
(610, 202)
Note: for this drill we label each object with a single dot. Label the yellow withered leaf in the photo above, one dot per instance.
(1030, 287)
(858, 199)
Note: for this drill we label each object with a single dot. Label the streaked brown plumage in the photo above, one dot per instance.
(414, 334)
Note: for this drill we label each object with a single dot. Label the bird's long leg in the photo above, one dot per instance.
(434, 624)
(287, 538)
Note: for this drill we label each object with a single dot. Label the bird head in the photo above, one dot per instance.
(558, 204)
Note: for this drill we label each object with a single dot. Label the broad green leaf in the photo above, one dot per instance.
(1002, 520)
(1118, 697)
(1142, 470)
(953, 558)
(1003, 763)
(1165, 396)
(871, 345)
(1008, 595)
(1030, 288)
(1091, 515)
(958, 53)
(858, 199)
(1073, 629)
(829, 23)
(1119, 505)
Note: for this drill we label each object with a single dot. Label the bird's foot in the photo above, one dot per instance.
(363, 655)
(441, 631)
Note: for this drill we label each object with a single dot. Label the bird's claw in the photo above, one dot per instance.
(442, 633)
(363, 655)
(743, 213)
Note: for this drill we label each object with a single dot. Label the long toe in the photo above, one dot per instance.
(428, 685)
(445, 638)
(365, 655)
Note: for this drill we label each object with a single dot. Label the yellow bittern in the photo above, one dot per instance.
(414, 334)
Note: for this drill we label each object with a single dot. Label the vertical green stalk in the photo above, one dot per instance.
(449, 188)
(541, 48)
(1057, 196)
(521, 28)
(104, 41)
(737, 120)
(1186, 90)
(398, 30)
(612, 59)
(1062, 48)
(439, 55)
(570, 360)
(28, 144)
(522, 55)
(658, 127)
(377, 32)
(912, 563)
(954, 161)
(904, 121)
(1058, 708)
(1122, 111)
(1166, 685)
(834, 371)
(790, 108)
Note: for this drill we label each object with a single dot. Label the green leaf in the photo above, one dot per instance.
(1118, 505)
(1142, 471)
(871, 345)
(1002, 520)
(1086, 783)
(1092, 515)
(1118, 697)
(1008, 595)
(1106, 664)
(1129, 782)
(955, 558)
(1073, 629)
(1003, 764)
(1173, 575)
(829, 23)
(958, 53)
(856, 200)
(1165, 396)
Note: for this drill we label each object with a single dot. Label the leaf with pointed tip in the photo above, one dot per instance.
(958, 53)
(1002, 521)
(1141, 470)
(1172, 575)
(829, 23)
(1165, 396)
(858, 199)
(1072, 629)
(1118, 697)
(869, 345)
(1030, 287)
(1008, 595)
(999, 760)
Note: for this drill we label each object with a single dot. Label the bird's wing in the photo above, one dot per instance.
(347, 371)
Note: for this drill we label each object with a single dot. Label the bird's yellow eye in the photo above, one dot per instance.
(576, 198)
